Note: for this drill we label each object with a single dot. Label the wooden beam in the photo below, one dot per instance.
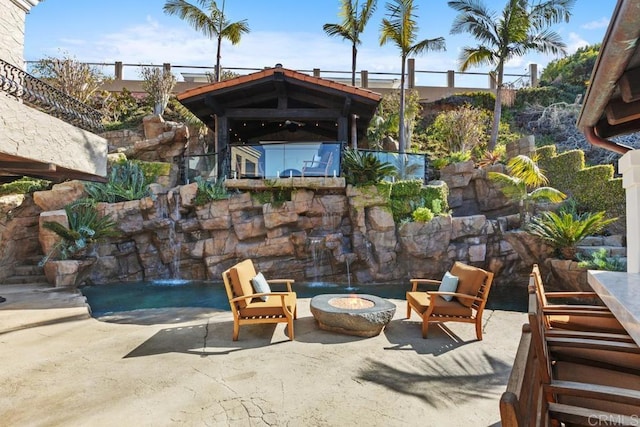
(346, 107)
(290, 113)
(28, 166)
(281, 91)
(215, 107)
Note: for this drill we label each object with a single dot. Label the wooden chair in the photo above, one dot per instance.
(576, 392)
(247, 305)
(579, 317)
(467, 304)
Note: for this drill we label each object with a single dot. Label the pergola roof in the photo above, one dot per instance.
(261, 103)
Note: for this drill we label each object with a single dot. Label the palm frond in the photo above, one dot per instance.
(526, 168)
(547, 193)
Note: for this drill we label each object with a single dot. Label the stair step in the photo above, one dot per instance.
(28, 270)
(22, 280)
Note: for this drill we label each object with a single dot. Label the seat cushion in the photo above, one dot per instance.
(470, 279)
(585, 323)
(271, 307)
(421, 301)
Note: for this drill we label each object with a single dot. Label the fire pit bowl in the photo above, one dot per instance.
(361, 315)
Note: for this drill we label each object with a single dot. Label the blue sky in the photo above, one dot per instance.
(285, 31)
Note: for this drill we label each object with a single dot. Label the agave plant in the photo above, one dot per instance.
(85, 226)
(525, 183)
(564, 230)
(364, 168)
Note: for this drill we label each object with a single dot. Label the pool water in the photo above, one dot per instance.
(128, 296)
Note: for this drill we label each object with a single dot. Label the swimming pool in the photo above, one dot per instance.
(128, 296)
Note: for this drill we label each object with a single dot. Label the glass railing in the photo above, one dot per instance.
(284, 160)
(294, 159)
(408, 165)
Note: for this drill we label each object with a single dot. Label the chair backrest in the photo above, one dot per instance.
(237, 280)
(521, 404)
(472, 281)
(539, 286)
(539, 339)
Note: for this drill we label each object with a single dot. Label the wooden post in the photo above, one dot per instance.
(118, 70)
(316, 72)
(364, 79)
(343, 131)
(411, 73)
(167, 67)
(451, 78)
(354, 131)
(533, 75)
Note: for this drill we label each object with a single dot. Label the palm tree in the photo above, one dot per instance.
(353, 23)
(525, 175)
(401, 28)
(213, 23)
(522, 27)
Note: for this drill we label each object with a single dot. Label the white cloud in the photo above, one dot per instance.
(575, 42)
(594, 25)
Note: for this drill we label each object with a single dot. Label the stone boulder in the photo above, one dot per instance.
(48, 238)
(60, 195)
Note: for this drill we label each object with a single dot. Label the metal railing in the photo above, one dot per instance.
(44, 97)
(408, 166)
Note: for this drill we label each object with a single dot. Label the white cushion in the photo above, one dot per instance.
(260, 285)
(449, 284)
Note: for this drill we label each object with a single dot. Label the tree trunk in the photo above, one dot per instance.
(497, 110)
(401, 136)
(354, 54)
(218, 57)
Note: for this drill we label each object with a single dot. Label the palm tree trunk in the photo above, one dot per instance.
(401, 142)
(354, 54)
(497, 110)
(218, 57)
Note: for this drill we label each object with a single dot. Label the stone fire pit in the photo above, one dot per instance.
(361, 315)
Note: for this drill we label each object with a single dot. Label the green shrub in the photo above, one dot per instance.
(364, 168)
(600, 260)
(566, 229)
(153, 170)
(406, 196)
(594, 188)
(209, 191)
(422, 214)
(127, 181)
(24, 185)
(461, 129)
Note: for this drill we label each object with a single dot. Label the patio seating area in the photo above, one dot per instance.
(181, 366)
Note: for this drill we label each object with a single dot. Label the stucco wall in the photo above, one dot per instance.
(27, 132)
(12, 20)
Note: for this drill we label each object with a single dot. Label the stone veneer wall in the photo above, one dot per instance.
(316, 235)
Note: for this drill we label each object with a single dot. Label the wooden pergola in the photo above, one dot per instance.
(278, 104)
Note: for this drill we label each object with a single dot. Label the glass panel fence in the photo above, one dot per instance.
(284, 160)
(408, 165)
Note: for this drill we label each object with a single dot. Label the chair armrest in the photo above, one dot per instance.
(288, 282)
(454, 294)
(416, 282)
(261, 294)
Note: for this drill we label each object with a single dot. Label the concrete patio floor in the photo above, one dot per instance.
(60, 367)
